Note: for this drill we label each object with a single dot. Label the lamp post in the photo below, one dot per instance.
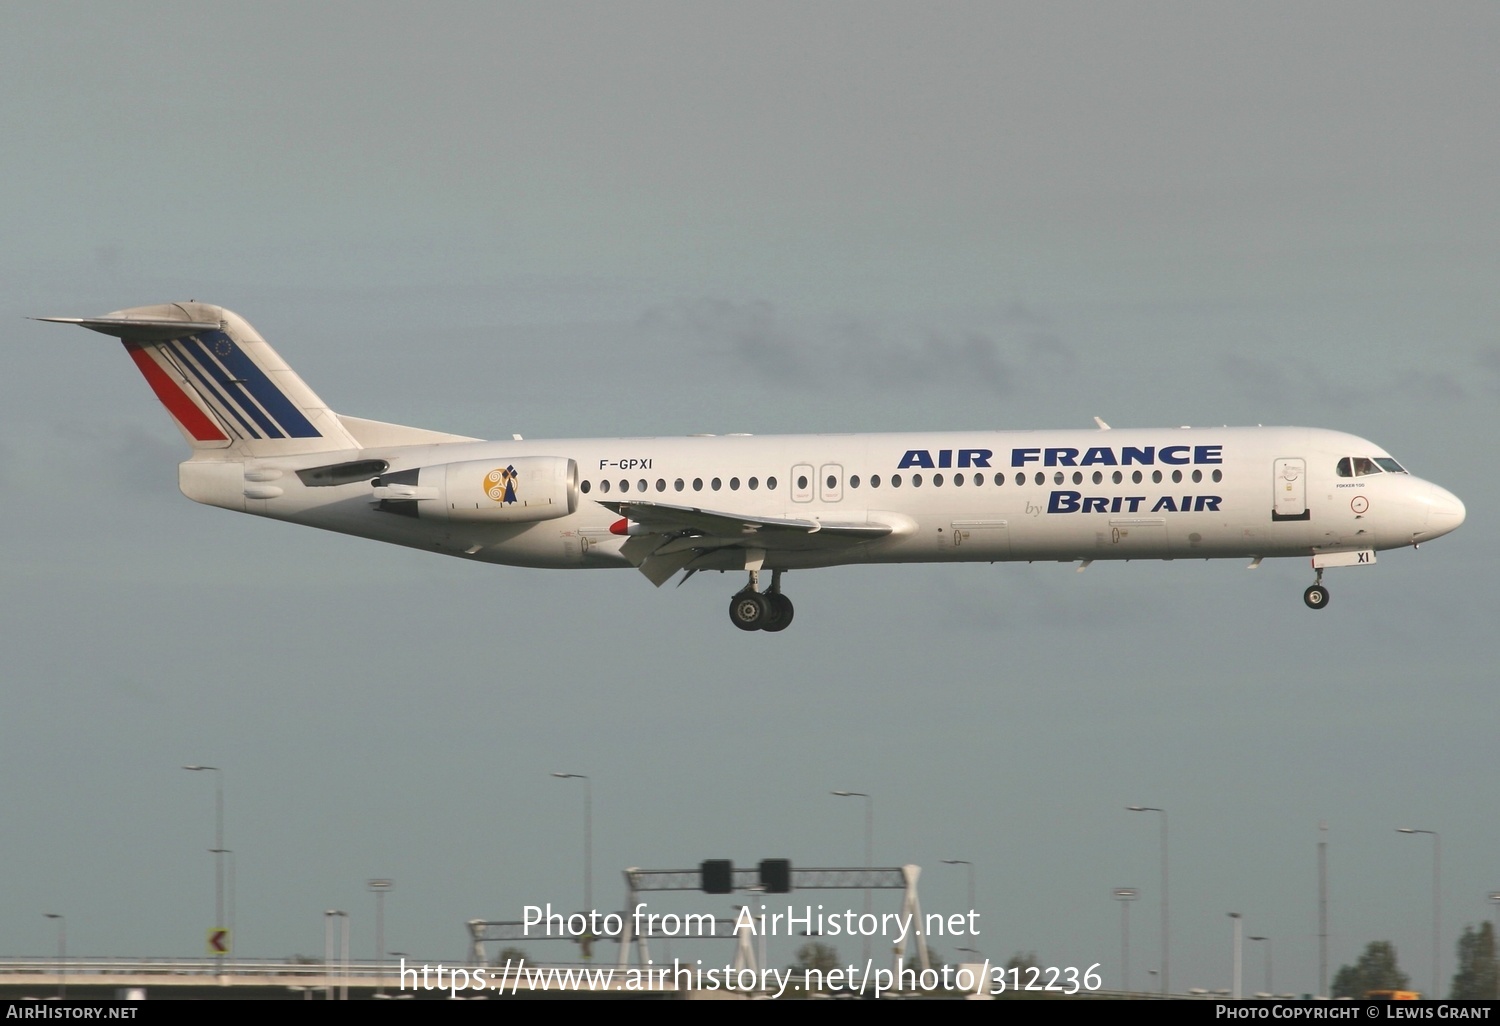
(1437, 905)
(218, 849)
(1495, 940)
(869, 849)
(231, 891)
(1234, 988)
(1267, 940)
(328, 962)
(970, 866)
(1165, 944)
(62, 953)
(1125, 895)
(588, 837)
(380, 887)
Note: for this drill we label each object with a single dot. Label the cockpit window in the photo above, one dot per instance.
(1361, 466)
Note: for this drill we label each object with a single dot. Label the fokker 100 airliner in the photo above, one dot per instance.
(264, 443)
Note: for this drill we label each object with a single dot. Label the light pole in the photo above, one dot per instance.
(230, 923)
(380, 887)
(62, 953)
(1125, 895)
(328, 962)
(965, 862)
(218, 849)
(1495, 940)
(1269, 991)
(1437, 905)
(970, 866)
(588, 837)
(1234, 988)
(1165, 944)
(869, 850)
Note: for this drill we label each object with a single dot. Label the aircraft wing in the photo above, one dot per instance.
(667, 538)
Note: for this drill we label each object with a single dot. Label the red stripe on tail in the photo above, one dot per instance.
(193, 420)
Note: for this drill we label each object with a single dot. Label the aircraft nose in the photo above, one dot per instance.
(1445, 512)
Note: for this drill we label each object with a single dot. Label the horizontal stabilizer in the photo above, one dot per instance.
(138, 329)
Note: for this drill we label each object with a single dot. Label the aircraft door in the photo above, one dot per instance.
(831, 482)
(1290, 484)
(802, 482)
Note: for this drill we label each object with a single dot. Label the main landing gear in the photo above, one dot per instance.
(769, 610)
(1316, 596)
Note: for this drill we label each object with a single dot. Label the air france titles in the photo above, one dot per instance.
(1066, 501)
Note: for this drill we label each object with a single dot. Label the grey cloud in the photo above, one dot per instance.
(756, 340)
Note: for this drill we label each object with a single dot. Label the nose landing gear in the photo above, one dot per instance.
(752, 610)
(1316, 596)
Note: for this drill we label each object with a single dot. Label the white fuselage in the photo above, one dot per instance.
(952, 496)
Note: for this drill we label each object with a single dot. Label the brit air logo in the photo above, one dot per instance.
(500, 485)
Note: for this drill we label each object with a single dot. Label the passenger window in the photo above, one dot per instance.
(754, 483)
(604, 487)
(1136, 477)
(958, 479)
(874, 480)
(916, 480)
(771, 483)
(1118, 477)
(584, 488)
(716, 484)
(937, 480)
(1041, 478)
(854, 481)
(697, 484)
(895, 480)
(734, 484)
(1177, 477)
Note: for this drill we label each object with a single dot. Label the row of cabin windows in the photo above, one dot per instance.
(895, 481)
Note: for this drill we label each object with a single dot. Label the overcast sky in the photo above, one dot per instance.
(662, 218)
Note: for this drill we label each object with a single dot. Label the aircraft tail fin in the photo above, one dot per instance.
(223, 384)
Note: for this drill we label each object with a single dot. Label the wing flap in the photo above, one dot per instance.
(667, 538)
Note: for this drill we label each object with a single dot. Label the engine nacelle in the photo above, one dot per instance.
(498, 491)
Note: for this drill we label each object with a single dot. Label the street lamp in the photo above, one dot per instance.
(588, 838)
(62, 953)
(328, 963)
(1234, 989)
(231, 890)
(1495, 944)
(1437, 912)
(869, 850)
(1269, 991)
(1165, 989)
(218, 849)
(1125, 895)
(380, 887)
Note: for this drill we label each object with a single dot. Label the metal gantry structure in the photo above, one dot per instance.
(634, 936)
